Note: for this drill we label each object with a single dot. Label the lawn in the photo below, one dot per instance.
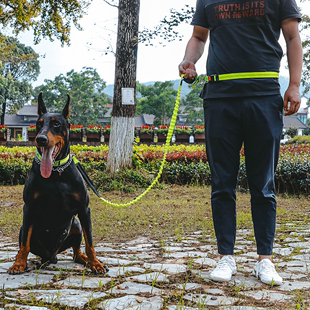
(165, 211)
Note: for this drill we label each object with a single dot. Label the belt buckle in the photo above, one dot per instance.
(213, 78)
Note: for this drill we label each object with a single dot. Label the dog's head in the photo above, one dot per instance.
(52, 136)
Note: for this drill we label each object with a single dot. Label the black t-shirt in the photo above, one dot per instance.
(243, 38)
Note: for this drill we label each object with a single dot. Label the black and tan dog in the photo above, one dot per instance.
(54, 194)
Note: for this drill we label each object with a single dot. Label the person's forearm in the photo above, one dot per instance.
(294, 58)
(194, 50)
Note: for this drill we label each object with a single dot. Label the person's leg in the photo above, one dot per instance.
(263, 128)
(223, 143)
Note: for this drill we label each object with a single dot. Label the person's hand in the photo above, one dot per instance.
(188, 69)
(291, 100)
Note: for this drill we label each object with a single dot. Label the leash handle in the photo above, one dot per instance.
(189, 81)
(193, 81)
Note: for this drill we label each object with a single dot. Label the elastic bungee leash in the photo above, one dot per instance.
(169, 136)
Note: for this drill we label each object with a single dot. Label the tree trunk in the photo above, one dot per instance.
(122, 121)
(3, 112)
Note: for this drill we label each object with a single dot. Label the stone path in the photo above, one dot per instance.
(147, 274)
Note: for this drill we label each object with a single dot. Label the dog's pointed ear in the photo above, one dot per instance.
(66, 110)
(41, 106)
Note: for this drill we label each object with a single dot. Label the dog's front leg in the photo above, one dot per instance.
(92, 260)
(20, 264)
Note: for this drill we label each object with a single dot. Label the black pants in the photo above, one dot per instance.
(257, 123)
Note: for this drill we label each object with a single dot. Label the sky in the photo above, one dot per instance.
(155, 63)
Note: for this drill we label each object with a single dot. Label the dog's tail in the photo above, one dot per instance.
(87, 179)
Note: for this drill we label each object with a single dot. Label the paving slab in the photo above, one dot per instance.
(116, 261)
(23, 307)
(150, 277)
(181, 308)
(247, 283)
(132, 302)
(171, 268)
(271, 296)
(83, 282)
(204, 300)
(295, 285)
(241, 308)
(120, 271)
(188, 286)
(205, 261)
(283, 251)
(24, 280)
(64, 297)
(131, 288)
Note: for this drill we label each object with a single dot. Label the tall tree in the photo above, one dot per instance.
(19, 66)
(86, 91)
(122, 121)
(157, 99)
(47, 18)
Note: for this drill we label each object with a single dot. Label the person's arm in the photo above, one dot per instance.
(193, 52)
(294, 57)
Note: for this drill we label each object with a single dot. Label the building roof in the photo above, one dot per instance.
(148, 119)
(293, 121)
(303, 110)
(14, 120)
(144, 119)
(28, 110)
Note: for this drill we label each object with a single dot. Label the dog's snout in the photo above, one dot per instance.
(42, 140)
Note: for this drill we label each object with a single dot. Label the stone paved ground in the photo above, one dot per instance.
(147, 274)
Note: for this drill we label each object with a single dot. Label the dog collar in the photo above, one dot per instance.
(59, 165)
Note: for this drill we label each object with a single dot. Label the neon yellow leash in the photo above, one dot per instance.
(169, 136)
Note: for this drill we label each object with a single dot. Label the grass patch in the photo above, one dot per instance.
(164, 212)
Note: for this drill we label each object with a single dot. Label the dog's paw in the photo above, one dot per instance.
(18, 268)
(98, 267)
(80, 258)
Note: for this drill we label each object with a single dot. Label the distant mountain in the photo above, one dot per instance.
(185, 90)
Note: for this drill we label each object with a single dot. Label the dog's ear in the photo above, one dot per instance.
(41, 106)
(66, 110)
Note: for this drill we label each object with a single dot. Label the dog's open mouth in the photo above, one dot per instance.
(48, 158)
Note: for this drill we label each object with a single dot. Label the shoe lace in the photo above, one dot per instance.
(222, 264)
(268, 267)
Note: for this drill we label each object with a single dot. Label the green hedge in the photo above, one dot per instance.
(292, 174)
(299, 140)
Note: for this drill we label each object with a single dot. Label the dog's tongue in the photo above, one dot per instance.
(47, 162)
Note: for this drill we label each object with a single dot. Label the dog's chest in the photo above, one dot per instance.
(50, 199)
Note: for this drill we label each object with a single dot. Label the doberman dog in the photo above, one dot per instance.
(54, 194)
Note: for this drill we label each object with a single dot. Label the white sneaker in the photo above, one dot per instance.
(265, 271)
(225, 268)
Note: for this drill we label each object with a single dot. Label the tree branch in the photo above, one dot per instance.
(109, 3)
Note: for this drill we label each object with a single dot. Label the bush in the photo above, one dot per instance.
(300, 140)
(186, 165)
(292, 131)
(14, 171)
